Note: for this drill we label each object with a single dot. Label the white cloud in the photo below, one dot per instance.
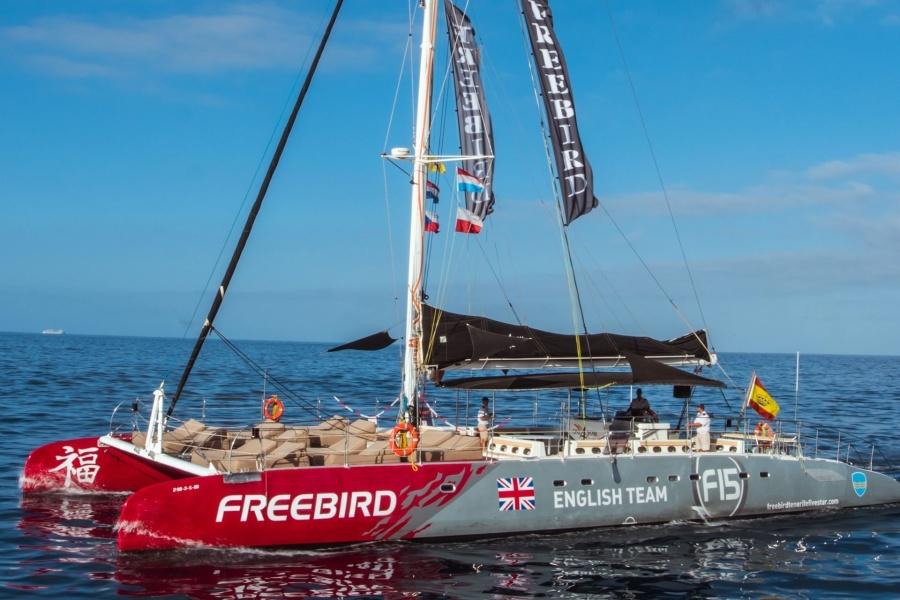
(239, 37)
(761, 198)
(869, 164)
(826, 12)
(840, 185)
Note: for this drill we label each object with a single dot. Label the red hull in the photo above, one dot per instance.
(289, 507)
(84, 465)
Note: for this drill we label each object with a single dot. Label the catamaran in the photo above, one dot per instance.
(341, 480)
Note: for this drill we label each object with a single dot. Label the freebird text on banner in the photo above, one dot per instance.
(760, 400)
(576, 179)
(476, 136)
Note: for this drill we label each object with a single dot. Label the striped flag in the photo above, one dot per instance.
(467, 221)
(431, 222)
(466, 182)
(760, 400)
(432, 191)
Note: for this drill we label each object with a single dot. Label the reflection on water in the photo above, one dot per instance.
(781, 555)
(64, 546)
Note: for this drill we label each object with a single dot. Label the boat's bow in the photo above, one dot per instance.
(91, 464)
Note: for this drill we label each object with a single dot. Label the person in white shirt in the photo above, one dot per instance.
(701, 423)
(484, 421)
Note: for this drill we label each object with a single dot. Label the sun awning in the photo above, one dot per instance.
(644, 372)
(457, 341)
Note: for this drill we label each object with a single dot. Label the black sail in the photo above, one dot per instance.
(576, 179)
(455, 340)
(476, 136)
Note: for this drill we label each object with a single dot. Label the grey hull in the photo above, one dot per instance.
(576, 493)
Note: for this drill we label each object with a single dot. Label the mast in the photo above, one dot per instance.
(413, 351)
(254, 211)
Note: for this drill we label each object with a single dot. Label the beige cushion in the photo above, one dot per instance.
(462, 442)
(293, 434)
(361, 426)
(210, 438)
(176, 441)
(254, 447)
(188, 429)
(350, 444)
(283, 451)
(330, 437)
(335, 421)
(375, 448)
(139, 438)
(270, 429)
(432, 438)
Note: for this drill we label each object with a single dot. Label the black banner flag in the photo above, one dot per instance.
(476, 136)
(576, 179)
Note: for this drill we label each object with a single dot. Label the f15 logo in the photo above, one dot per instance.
(719, 490)
(723, 484)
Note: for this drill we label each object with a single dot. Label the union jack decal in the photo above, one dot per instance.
(515, 493)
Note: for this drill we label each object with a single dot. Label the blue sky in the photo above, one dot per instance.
(131, 132)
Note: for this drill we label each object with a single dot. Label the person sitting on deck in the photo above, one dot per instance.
(640, 408)
(484, 421)
(701, 422)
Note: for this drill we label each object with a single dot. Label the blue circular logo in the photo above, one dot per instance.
(859, 483)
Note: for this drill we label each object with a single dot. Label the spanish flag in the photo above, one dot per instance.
(759, 398)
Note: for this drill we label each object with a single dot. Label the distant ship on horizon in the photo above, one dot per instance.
(53, 331)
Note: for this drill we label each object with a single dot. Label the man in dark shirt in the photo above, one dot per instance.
(640, 407)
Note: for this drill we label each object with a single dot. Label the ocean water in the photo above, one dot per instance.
(63, 546)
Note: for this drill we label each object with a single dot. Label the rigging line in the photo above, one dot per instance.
(659, 176)
(406, 55)
(442, 130)
(390, 231)
(260, 370)
(662, 289)
(509, 303)
(577, 308)
(276, 383)
(411, 17)
(254, 211)
(396, 100)
(595, 289)
(609, 283)
(246, 195)
(394, 163)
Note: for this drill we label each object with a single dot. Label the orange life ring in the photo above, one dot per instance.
(404, 439)
(273, 409)
(763, 430)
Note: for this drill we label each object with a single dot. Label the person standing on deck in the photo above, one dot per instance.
(701, 422)
(484, 422)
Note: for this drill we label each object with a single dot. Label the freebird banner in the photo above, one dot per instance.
(576, 179)
(760, 400)
(476, 136)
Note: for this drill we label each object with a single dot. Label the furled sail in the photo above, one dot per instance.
(457, 341)
(576, 179)
(476, 136)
